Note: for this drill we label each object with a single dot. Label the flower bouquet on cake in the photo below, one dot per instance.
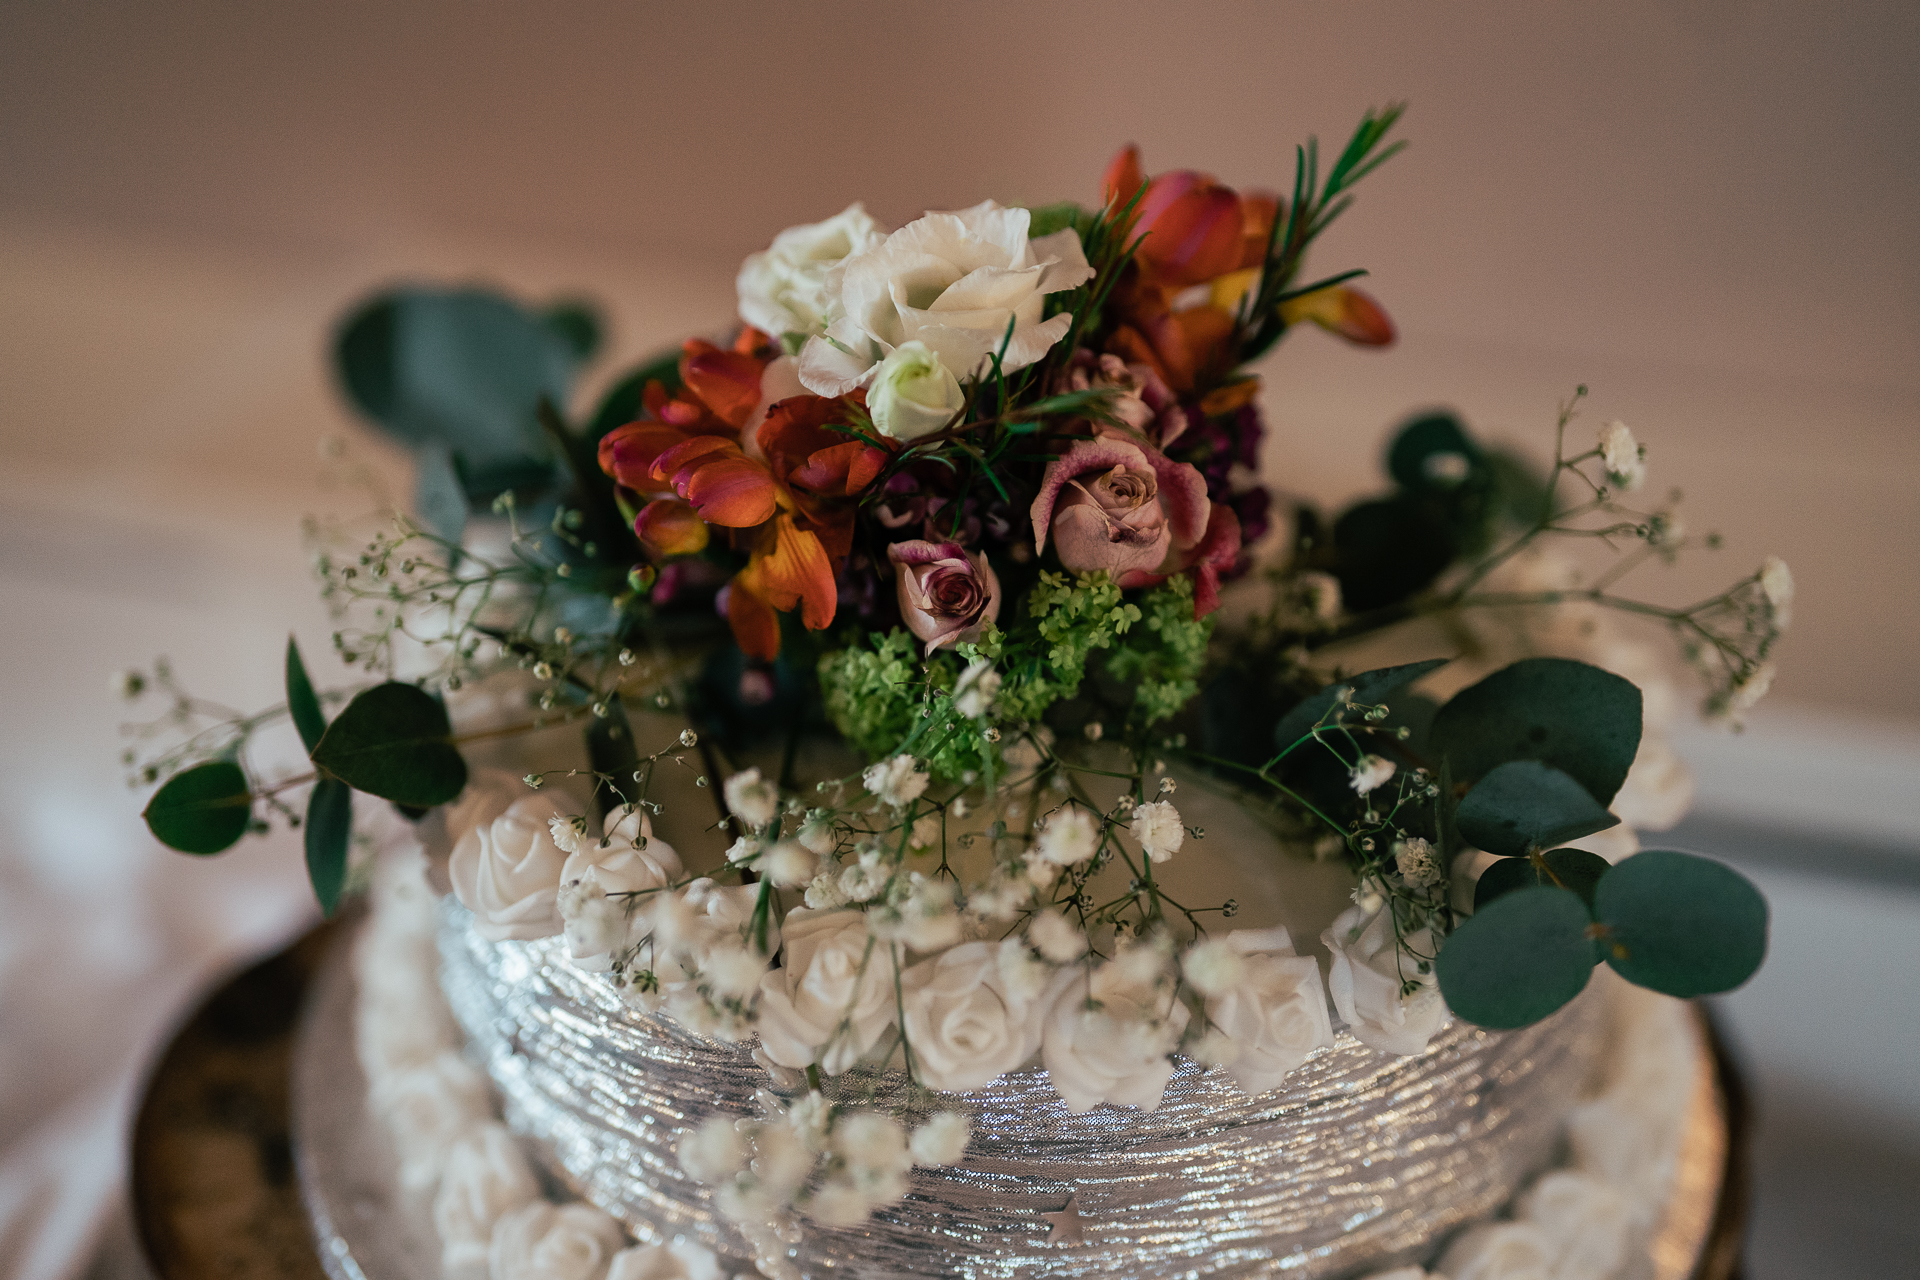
(865, 676)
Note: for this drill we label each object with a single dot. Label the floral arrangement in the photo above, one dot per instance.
(965, 496)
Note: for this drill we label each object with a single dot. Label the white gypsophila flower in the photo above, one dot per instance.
(554, 1242)
(817, 837)
(714, 1150)
(566, 830)
(866, 878)
(1214, 966)
(942, 1139)
(912, 393)
(898, 780)
(833, 996)
(1103, 1041)
(1157, 826)
(1071, 836)
(753, 799)
(926, 831)
(957, 282)
(1056, 938)
(677, 1260)
(1417, 862)
(743, 849)
(594, 924)
(779, 1162)
(975, 690)
(691, 921)
(1023, 975)
(1499, 1251)
(874, 1155)
(1384, 988)
(1402, 1273)
(507, 872)
(824, 893)
(1746, 693)
(733, 971)
(965, 1026)
(1622, 456)
(484, 1178)
(1372, 771)
(1776, 580)
(790, 864)
(784, 289)
(922, 913)
(1040, 873)
(1274, 1011)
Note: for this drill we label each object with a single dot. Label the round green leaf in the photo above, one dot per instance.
(393, 741)
(1524, 805)
(1583, 721)
(1517, 961)
(1434, 452)
(1574, 869)
(204, 809)
(329, 825)
(1682, 924)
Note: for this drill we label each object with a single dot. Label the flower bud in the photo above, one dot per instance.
(913, 393)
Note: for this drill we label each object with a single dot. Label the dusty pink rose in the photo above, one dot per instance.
(946, 596)
(1144, 403)
(1206, 560)
(1118, 506)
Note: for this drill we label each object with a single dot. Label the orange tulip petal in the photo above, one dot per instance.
(628, 453)
(727, 382)
(734, 490)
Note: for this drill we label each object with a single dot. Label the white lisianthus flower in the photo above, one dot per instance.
(1379, 988)
(1622, 456)
(898, 781)
(954, 281)
(784, 290)
(966, 1027)
(1371, 772)
(507, 872)
(833, 997)
(913, 394)
(1776, 580)
(941, 1140)
(1107, 1041)
(1157, 826)
(1271, 1006)
(977, 687)
(1070, 837)
(1056, 938)
(485, 1177)
(554, 1242)
(753, 799)
(680, 1260)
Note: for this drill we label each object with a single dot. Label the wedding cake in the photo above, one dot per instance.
(957, 820)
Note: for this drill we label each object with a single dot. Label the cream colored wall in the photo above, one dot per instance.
(1706, 211)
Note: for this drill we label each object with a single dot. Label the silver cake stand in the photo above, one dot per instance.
(255, 1155)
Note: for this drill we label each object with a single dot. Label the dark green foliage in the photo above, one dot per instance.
(1574, 869)
(393, 741)
(578, 324)
(1517, 961)
(205, 809)
(1524, 805)
(1681, 924)
(1388, 549)
(623, 401)
(302, 703)
(1583, 721)
(329, 824)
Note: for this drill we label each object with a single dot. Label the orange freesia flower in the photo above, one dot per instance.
(670, 527)
(1348, 312)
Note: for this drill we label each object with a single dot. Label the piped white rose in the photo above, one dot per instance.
(601, 886)
(833, 996)
(1386, 991)
(955, 282)
(1107, 1037)
(507, 872)
(966, 1025)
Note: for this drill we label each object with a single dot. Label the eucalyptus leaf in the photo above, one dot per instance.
(1574, 869)
(624, 400)
(1517, 961)
(1375, 686)
(329, 825)
(1435, 453)
(394, 741)
(205, 809)
(1681, 924)
(302, 703)
(579, 325)
(1386, 549)
(1524, 805)
(1577, 718)
(439, 496)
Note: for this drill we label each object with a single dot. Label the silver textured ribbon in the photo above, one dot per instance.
(1361, 1160)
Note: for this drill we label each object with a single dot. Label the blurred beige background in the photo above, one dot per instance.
(1708, 212)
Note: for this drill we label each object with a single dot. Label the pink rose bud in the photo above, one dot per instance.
(946, 596)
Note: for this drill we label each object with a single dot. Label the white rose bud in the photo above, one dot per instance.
(913, 394)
